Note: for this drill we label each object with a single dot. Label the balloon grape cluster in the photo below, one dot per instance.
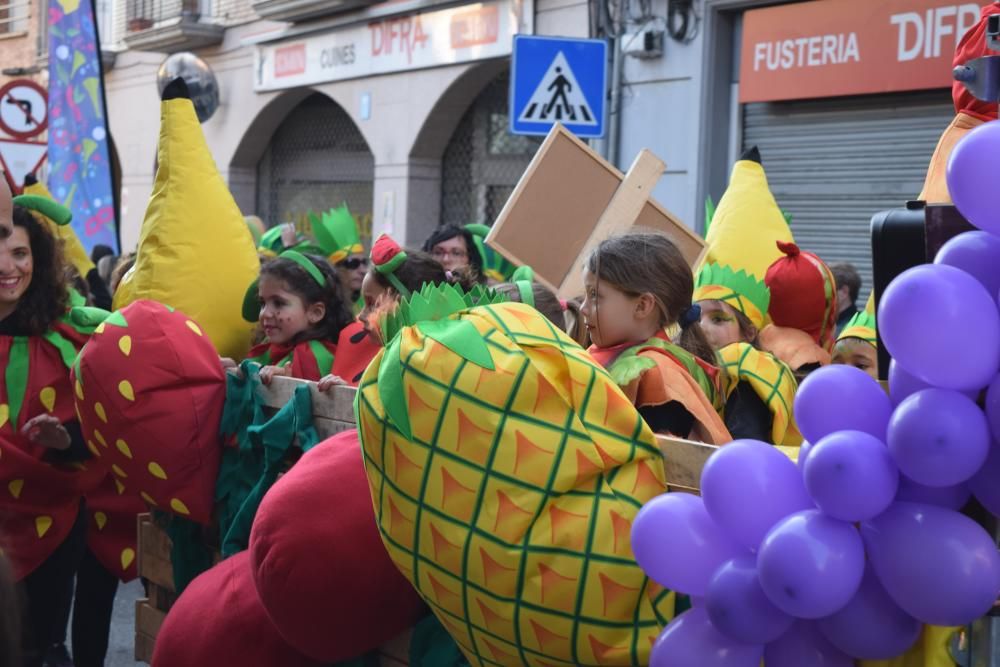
(849, 552)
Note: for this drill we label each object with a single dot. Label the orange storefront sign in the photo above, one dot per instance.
(829, 48)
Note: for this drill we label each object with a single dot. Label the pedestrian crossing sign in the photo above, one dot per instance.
(558, 80)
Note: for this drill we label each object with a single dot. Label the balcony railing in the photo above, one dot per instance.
(14, 16)
(300, 10)
(170, 25)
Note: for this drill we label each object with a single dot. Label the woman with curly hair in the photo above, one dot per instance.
(45, 466)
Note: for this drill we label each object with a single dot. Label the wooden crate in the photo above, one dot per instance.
(332, 413)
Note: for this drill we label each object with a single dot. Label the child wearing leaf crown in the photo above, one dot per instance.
(857, 343)
(299, 302)
(394, 274)
(759, 388)
(637, 286)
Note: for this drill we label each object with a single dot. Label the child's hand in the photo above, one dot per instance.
(268, 372)
(230, 364)
(328, 382)
(47, 431)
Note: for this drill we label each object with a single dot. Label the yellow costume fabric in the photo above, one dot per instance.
(509, 504)
(931, 650)
(195, 252)
(771, 379)
(747, 223)
(862, 325)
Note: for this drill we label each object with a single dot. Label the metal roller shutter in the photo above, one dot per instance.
(832, 164)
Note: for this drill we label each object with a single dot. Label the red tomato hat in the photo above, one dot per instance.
(803, 294)
(972, 46)
(321, 570)
(149, 395)
(219, 620)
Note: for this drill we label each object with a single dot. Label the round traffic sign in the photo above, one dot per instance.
(23, 109)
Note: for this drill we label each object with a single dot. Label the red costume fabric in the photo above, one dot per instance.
(219, 620)
(310, 360)
(357, 349)
(803, 294)
(150, 391)
(315, 552)
(972, 46)
(39, 500)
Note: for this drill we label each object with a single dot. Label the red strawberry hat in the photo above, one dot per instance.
(387, 256)
(803, 294)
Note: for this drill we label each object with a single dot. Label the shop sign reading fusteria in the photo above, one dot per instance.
(393, 44)
(830, 48)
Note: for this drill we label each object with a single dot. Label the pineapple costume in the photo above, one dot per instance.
(195, 253)
(336, 234)
(771, 379)
(862, 325)
(506, 468)
(657, 372)
(496, 267)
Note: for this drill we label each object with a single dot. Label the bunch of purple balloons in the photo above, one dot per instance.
(847, 554)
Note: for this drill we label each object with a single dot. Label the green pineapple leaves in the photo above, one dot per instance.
(430, 312)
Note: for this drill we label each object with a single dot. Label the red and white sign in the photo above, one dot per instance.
(20, 158)
(394, 44)
(830, 48)
(23, 109)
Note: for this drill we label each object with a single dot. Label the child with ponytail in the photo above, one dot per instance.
(637, 287)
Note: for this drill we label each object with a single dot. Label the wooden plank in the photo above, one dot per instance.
(144, 647)
(683, 461)
(153, 561)
(148, 620)
(337, 404)
(628, 201)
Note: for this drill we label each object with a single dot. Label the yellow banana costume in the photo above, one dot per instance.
(862, 325)
(747, 221)
(506, 468)
(195, 252)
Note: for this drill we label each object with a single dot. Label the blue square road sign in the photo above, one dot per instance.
(558, 80)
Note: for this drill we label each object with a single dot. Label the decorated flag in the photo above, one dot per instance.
(79, 156)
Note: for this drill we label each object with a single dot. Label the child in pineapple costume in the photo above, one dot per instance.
(638, 285)
(299, 301)
(857, 344)
(45, 468)
(506, 467)
(760, 389)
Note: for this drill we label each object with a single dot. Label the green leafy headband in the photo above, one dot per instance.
(251, 301)
(52, 210)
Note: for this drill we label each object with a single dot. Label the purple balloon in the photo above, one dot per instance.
(976, 253)
(871, 626)
(841, 398)
(811, 565)
(961, 350)
(691, 639)
(805, 646)
(850, 476)
(992, 407)
(970, 168)
(985, 484)
(738, 607)
(939, 566)
(749, 486)
(678, 545)
(804, 450)
(903, 384)
(939, 437)
(948, 497)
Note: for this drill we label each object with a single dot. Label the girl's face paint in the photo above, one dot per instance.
(718, 321)
(283, 314)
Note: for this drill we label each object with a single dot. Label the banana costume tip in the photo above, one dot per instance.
(751, 154)
(177, 89)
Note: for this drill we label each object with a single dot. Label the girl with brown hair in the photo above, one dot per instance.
(637, 287)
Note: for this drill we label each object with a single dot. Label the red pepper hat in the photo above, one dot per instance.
(972, 46)
(387, 256)
(803, 294)
(219, 620)
(326, 580)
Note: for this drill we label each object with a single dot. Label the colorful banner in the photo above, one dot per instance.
(79, 162)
